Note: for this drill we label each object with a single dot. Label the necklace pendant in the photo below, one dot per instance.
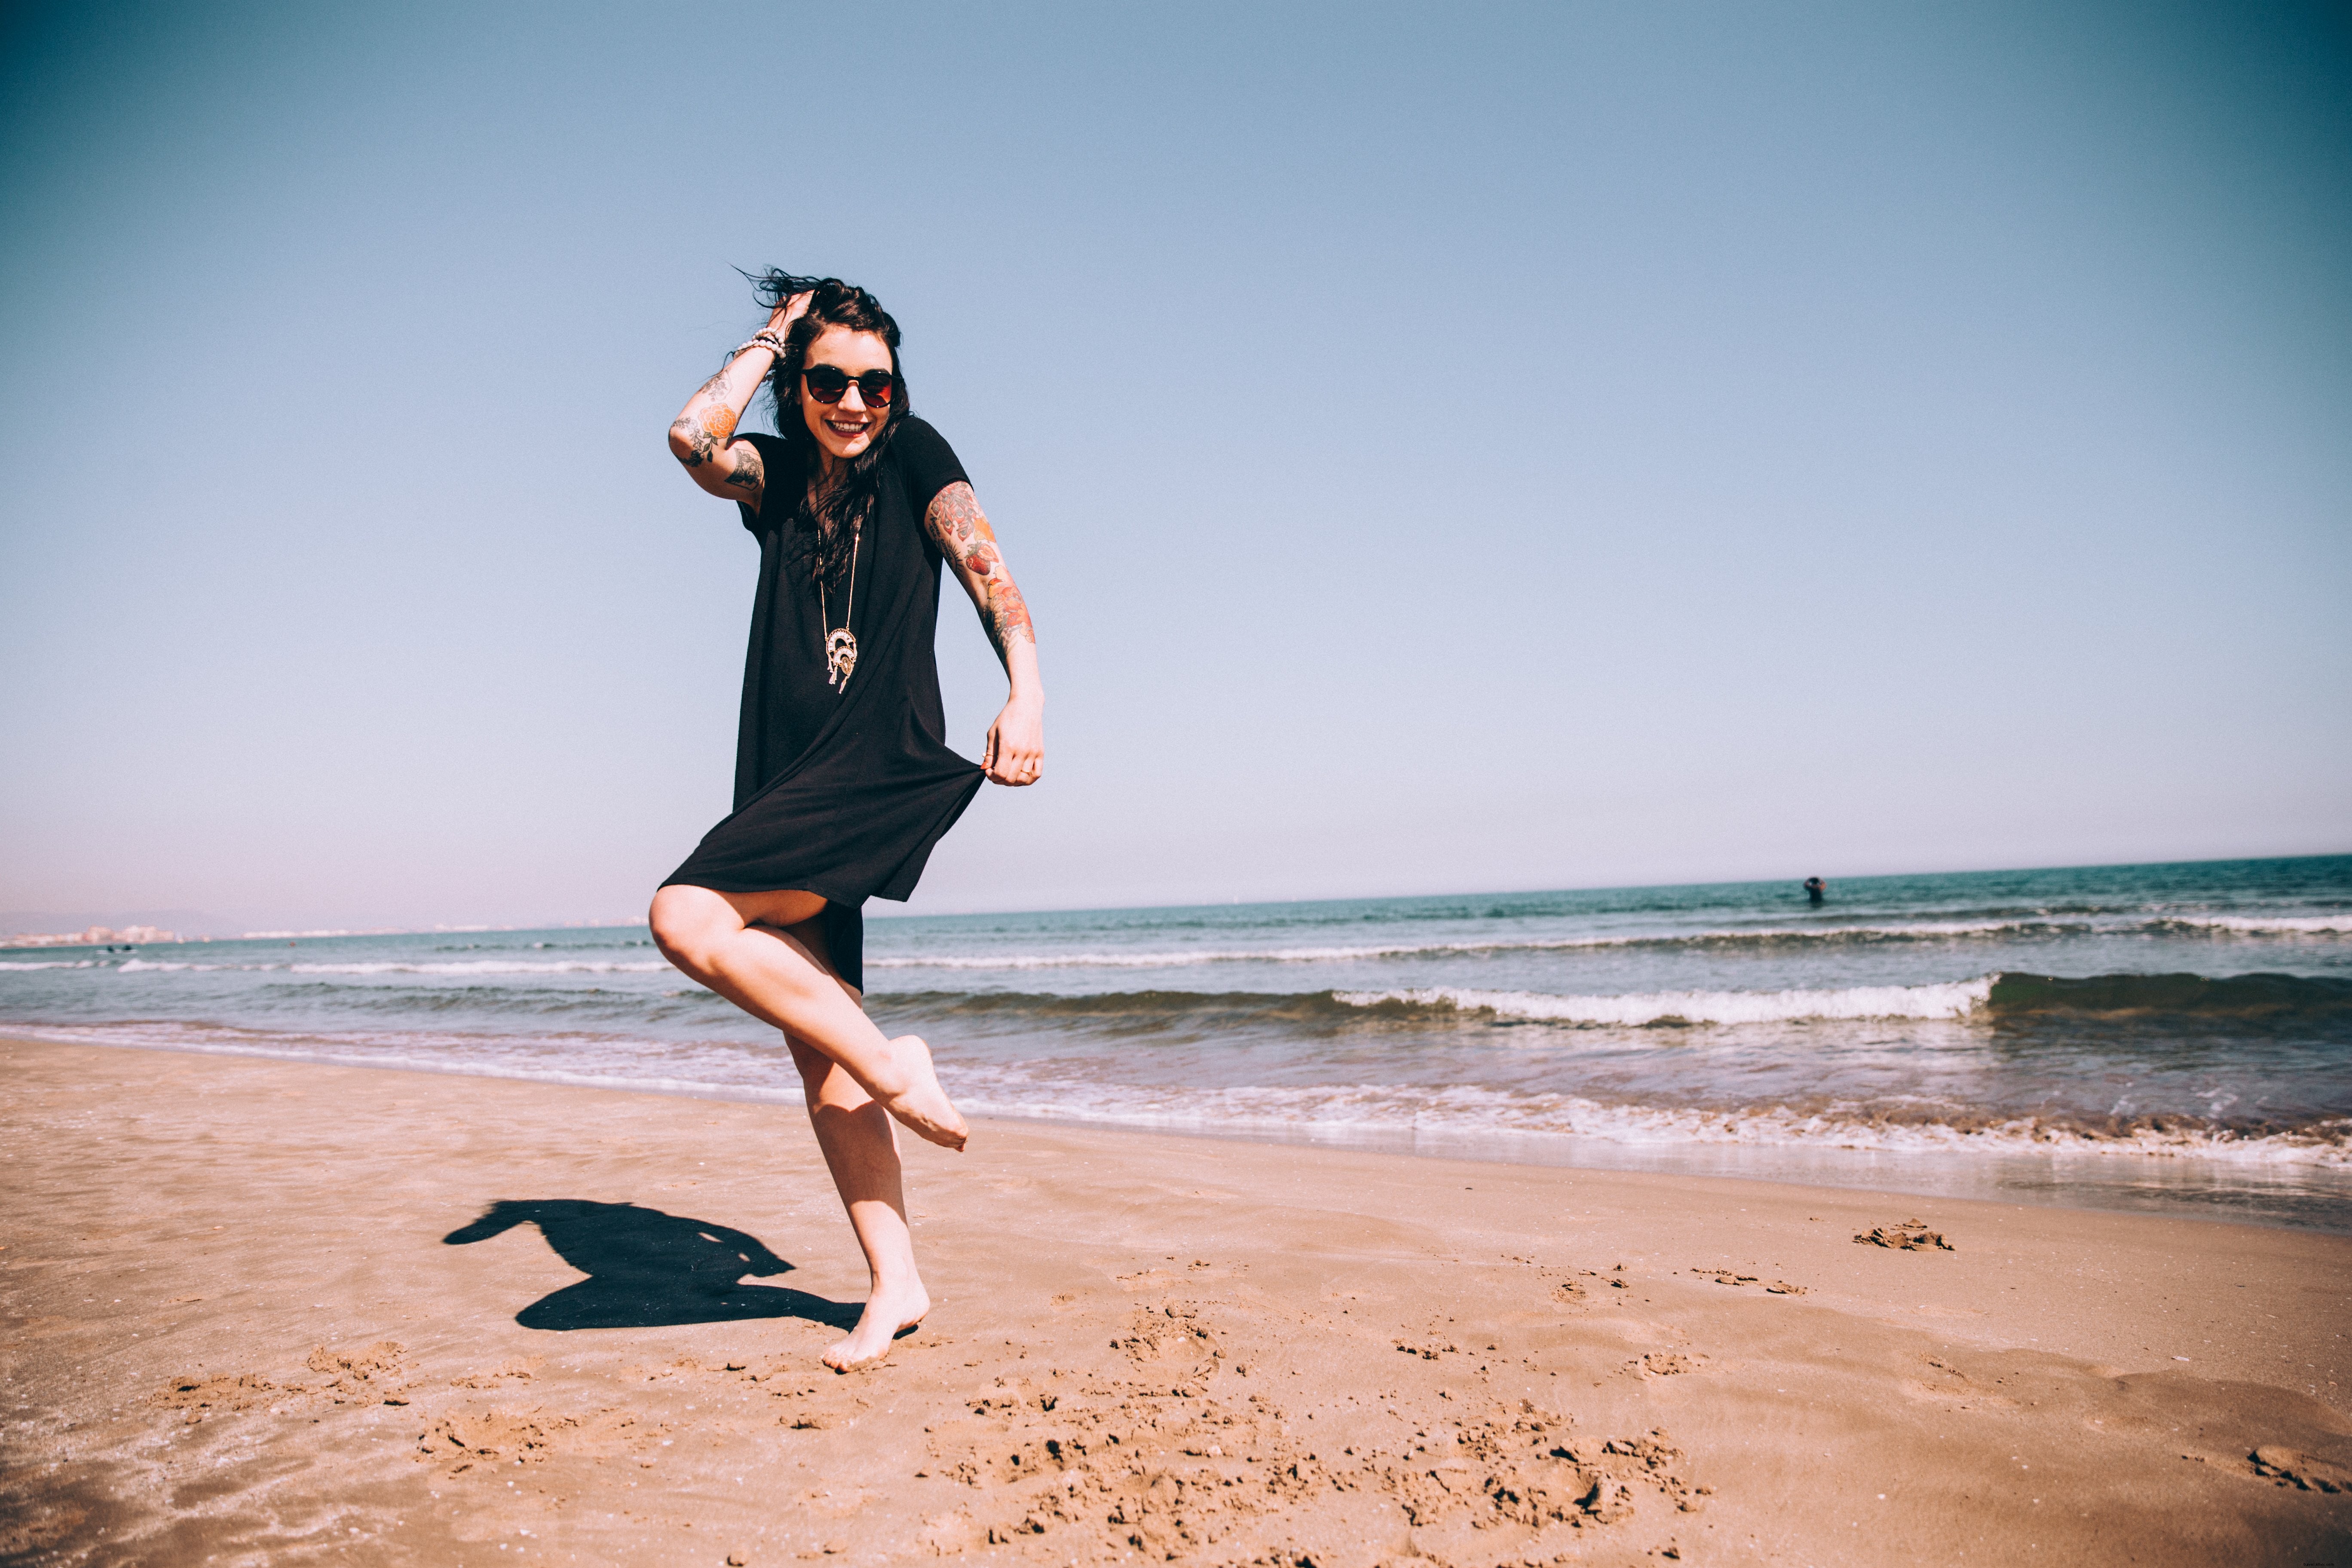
(840, 657)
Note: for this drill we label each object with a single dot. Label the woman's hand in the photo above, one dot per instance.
(791, 310)
(1016, 743)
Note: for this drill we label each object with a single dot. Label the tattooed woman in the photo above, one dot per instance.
(843, 777)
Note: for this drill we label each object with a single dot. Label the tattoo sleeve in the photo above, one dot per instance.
(702, 430)
(961, 531)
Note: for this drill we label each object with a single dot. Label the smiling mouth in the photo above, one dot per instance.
(848, 427)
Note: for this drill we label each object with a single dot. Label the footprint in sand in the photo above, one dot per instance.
(2291, 1467)
(1771, 1286)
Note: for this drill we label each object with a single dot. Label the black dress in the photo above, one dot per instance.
(842, 790)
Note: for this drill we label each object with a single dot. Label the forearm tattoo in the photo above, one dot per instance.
(962, 529)
(706, 431)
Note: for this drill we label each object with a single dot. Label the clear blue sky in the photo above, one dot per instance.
(1444, 448)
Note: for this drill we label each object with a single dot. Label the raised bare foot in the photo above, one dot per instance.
(923, 1105)
(888, 1313)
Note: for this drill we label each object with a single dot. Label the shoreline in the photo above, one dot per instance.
(259, 1310)
(2214, 1188)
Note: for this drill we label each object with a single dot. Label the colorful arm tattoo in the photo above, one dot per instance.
(703, 433)
(704, 428)
(963, 535)
(694, 431)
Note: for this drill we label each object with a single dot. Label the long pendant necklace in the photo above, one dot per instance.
(840, 643)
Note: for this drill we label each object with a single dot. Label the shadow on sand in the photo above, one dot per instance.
(649, 1270)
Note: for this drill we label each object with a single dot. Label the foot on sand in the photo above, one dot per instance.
(923, 1105)
(888, 1313)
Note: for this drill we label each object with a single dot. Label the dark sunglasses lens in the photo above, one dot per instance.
(827, 382)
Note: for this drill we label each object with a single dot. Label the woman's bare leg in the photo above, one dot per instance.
(861, 1149)
(731, 942)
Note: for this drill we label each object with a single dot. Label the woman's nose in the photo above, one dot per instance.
(853, 398)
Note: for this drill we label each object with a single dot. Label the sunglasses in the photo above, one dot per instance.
(829, 383)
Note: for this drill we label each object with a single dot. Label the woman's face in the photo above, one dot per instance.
(848, 427)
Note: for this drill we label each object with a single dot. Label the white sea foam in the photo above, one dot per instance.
(55, 963)
(1442, 1118)
(2337, 924)
(1183, 957)
(1462, 1114)
(1954, 1000)
(471, 967)
(483, 966)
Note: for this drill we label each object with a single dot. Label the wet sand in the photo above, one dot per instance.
(267, 1312)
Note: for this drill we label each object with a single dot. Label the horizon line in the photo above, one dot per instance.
(453, 928)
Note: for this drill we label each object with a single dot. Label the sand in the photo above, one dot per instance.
(259, 1312)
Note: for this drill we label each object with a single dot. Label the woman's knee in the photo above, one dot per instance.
(688, 924)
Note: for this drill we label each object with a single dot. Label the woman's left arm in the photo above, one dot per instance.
(1016, 742)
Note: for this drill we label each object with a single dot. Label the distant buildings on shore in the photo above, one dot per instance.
(140, 936)
(96, 936)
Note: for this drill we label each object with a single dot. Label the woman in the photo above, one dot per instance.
(843, 777)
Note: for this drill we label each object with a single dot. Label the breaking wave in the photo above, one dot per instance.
(1952, 1001)
(2034, 927)
(1185, 957)
(1987, 998)
(2337, 924)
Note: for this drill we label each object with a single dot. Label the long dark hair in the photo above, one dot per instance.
(826, 532)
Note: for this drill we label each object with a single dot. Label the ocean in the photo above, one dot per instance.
(2173, 1038)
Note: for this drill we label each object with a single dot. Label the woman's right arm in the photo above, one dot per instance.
(702, 437)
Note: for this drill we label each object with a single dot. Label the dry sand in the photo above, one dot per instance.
(259, 1312)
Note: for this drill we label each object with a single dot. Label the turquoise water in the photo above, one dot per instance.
(2173, 1038)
